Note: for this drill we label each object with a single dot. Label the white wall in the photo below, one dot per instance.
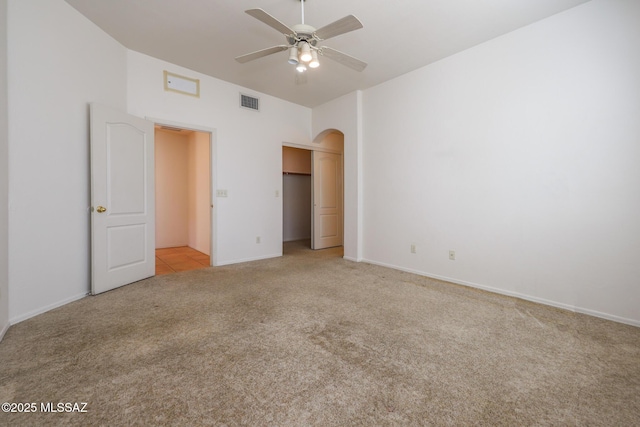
(345, 114)
(4, 176)
(172, 189)
(248, 154)
(522, 155)
(199, 192)
(58, 62)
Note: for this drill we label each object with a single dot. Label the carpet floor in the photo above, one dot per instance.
(310, 339)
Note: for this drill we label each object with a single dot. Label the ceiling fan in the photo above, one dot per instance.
(303, 39)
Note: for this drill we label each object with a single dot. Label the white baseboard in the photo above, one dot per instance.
(525, 297)
(46, 308)
(4, 330)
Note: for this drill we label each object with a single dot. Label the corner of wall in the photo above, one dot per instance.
(360, 177)
(345, 115)
(4, 175)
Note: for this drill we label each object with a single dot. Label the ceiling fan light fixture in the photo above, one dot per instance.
(302, 39)
(305, 52)
(314, 63)
(293, 55)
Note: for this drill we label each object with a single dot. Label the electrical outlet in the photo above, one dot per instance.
(258, 239)
(413, 248)
(221, 193)
(452, 255)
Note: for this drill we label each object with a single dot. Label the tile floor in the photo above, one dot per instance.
(171, 260)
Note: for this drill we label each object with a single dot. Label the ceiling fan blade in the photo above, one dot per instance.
(343, 58)
(260, 53)
(263, 16)
(341, 26)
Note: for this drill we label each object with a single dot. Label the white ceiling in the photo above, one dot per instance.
(398, 36)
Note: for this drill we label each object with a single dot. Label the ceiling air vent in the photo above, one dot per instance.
(249, 102)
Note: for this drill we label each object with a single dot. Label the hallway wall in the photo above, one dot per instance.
(58, 62)
(199, 192)
(172, 189)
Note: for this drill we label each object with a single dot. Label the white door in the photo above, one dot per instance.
(327, 200)
(122, 199)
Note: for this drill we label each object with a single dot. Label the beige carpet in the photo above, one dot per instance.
(312, 339)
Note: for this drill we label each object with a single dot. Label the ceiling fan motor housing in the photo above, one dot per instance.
(304, 33)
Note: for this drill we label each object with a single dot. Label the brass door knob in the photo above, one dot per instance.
(101, 209)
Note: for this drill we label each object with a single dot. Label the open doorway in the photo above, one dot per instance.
(296, 195)
(183, 199)
(312, 193)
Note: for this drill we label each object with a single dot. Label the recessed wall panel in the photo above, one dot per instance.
(126, 169)
(329, 175)
(129, 240)
(329, 225)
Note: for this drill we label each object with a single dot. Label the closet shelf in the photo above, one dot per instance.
(296, 173)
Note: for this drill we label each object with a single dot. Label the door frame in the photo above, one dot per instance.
(213, 155)
(324, 150)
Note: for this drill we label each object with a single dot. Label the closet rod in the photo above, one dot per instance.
(296, 173)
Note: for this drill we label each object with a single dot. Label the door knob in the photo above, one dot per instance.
(101, 209)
